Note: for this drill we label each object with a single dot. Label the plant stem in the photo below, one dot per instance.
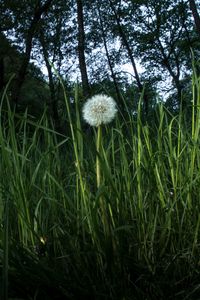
(99, 182)
(98, 145)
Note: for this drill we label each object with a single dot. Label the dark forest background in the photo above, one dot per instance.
(91, 41)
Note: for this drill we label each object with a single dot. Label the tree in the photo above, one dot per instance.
(81, 48)
(3, 51)
(97, 38)
(6, 49)
(195, 14)
(162, 41)
(127, 45)
(50, 75)
(103, 33)
(10, 59)
(39, 10)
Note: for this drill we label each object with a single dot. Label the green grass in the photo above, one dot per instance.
(53, 240)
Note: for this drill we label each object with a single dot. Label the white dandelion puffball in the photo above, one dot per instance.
(100, 109)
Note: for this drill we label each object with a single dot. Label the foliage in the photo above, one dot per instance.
(157, 35)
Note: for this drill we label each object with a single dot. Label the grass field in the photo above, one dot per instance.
(132, 234)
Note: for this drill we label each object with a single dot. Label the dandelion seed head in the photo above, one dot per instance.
(100, 109)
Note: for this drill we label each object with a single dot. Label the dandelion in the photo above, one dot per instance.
(98, 110)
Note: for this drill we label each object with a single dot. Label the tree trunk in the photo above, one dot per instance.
(5, 49)
(130, 54)
(20, 77)
(81, 49)
(108, 56)
(51, 81)
(195, 14)
(1, 73)
(175, 75)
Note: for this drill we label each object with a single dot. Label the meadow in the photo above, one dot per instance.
(115, 220)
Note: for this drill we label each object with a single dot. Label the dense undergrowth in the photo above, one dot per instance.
(53, 242)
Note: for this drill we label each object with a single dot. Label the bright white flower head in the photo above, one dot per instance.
(100, 109)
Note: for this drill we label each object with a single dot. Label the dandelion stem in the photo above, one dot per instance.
(98, 146)
(99, 182)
